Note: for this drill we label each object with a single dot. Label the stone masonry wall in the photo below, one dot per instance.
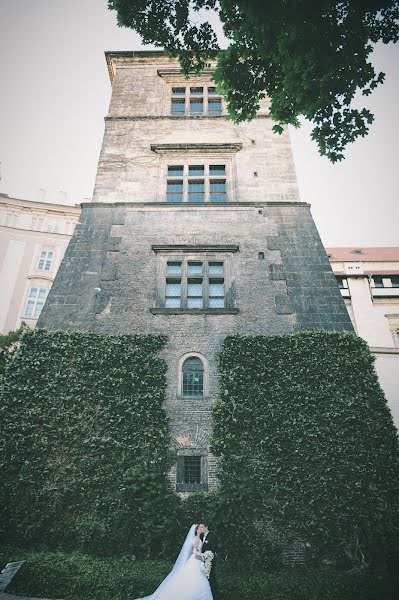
(108, 282)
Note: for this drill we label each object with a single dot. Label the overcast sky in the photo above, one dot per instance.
(54, 94)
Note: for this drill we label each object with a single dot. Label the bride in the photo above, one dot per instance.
(187, 580)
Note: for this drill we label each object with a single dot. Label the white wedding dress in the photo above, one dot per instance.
(187, 580)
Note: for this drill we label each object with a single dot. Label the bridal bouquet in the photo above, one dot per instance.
(208, 558)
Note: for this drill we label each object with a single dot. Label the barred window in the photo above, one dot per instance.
(192, 469)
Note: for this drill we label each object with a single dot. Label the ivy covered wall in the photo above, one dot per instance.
(306, 446)
(85, 443)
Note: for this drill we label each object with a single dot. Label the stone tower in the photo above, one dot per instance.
(196, 230)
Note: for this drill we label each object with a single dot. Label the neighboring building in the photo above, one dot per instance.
(196, 230)
(33, 239)
(369, 283)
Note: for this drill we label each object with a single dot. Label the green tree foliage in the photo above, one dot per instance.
(307, 446)
(85, 443)
(310, 58)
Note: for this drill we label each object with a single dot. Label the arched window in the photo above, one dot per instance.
(193, 377)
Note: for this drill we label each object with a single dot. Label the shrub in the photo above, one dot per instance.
(306, 445)
(77, 576)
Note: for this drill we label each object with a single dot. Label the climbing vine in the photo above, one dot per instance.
(307, 445)
(85, 443)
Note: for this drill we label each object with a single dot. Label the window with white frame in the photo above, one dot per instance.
(35, 302)
(195, 284)
(54, 226)
(197, 183)
(196, 101)
(45, 260)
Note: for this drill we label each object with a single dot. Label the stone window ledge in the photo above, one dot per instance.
(201, 148)
(191, 487)
(194, 311)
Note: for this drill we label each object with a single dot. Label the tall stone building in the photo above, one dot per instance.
(196, 230)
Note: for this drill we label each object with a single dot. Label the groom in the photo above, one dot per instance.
(209, 542)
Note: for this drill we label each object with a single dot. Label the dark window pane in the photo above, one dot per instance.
(192, 469)
(175, 191)
(218, 191)
(216, 302)
(178, 106)
(215, 268)
(178, 91)
(193, 377)
(195, 303)
(378, 281)
(172, 302)
(395, 281)
(174, 268)
(196, 191)
(217, 170)
(194, 268)
(196, 91)
(193, 363)
(212, 91)
(175, 171)
(196, 106)
(173, 293)
(216, 288)
(196, 170)
(214, 107)
(194, 288)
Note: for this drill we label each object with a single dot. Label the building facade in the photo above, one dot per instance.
(369, 282)
(196, 230)
(33, 240)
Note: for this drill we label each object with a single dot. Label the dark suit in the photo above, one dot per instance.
(211, 544)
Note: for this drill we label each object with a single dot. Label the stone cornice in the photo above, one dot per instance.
(171, 74)
(196, 205)
(201, 148)
(383, 350)
(170, 117)
(31, 205)
(194, 311)
(195, 248)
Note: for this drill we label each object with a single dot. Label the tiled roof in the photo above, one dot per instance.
(365, 254)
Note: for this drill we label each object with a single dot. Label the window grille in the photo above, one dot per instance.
(192, 469)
